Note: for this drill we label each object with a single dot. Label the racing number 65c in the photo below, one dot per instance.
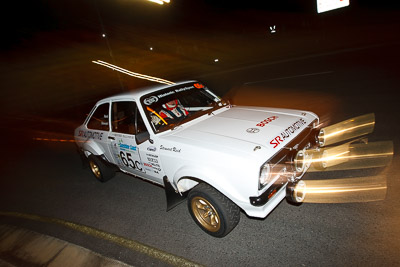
(128, 162)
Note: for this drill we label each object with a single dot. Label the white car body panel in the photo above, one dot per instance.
(224, 149)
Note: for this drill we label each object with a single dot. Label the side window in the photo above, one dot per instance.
(123, 117)
(99, 119)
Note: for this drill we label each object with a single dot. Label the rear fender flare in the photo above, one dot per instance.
(91, 147)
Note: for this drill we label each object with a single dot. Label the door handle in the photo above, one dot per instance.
(111, 137)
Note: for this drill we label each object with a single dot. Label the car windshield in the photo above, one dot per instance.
(168, 108)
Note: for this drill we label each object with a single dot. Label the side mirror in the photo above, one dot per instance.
(142, 137)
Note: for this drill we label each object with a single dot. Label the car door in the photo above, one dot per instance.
(126, 123)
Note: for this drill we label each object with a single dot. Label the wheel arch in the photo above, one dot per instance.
(188, 177)
(92, 148)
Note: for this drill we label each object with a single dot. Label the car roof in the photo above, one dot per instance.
(137, 93)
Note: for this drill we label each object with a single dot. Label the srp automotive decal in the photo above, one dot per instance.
(91, 135)
(266, 121)
(289, 131)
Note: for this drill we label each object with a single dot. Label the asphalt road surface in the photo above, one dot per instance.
(46, 178)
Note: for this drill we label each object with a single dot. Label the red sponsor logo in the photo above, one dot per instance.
(198, 85)
(266, 121)
(276, 141)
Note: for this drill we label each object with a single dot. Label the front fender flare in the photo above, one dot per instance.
(212, 177)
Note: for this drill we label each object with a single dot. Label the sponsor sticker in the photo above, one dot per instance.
(150, 100)
(289, 131)
(152, 148)
(253, 130)
(90, 134)
(266, 121)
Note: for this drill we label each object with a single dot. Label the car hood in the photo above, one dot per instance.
(244, 128)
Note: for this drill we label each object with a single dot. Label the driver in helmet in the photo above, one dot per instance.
(170, 111)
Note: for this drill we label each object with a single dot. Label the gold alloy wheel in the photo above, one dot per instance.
(206, 214)
(95, 169)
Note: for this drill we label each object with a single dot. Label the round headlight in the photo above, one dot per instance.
(265, 174)
(321, 137)
(299, 161)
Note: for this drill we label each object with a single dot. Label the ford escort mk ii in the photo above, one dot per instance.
(222, 158)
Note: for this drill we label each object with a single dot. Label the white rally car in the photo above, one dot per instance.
(222, 158)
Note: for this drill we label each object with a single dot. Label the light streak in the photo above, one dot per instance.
(351, 156)
(56, 140)
(349, 129)
(346, 130)
(345, 190)
(131, 73)
(53, 140)
(160, 2)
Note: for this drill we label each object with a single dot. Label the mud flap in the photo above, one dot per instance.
(173, 198)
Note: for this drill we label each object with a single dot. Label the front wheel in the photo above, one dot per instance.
(213, 212)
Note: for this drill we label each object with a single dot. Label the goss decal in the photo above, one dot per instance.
(150, 100)
(253, 130)
(266, 121)
(287, 132)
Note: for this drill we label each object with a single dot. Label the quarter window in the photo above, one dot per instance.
(99, 119)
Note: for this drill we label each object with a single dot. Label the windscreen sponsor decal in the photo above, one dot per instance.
(266, 121)
(289, 131)
(153, 99)
(198, 85)
(184, 89)
(150, 100)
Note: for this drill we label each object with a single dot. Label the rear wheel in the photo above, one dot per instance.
(99, 169)
(213, 212)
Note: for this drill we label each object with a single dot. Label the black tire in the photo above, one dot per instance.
(101, 171)
(213, 212)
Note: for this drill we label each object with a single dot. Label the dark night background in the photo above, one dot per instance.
(339, 64)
